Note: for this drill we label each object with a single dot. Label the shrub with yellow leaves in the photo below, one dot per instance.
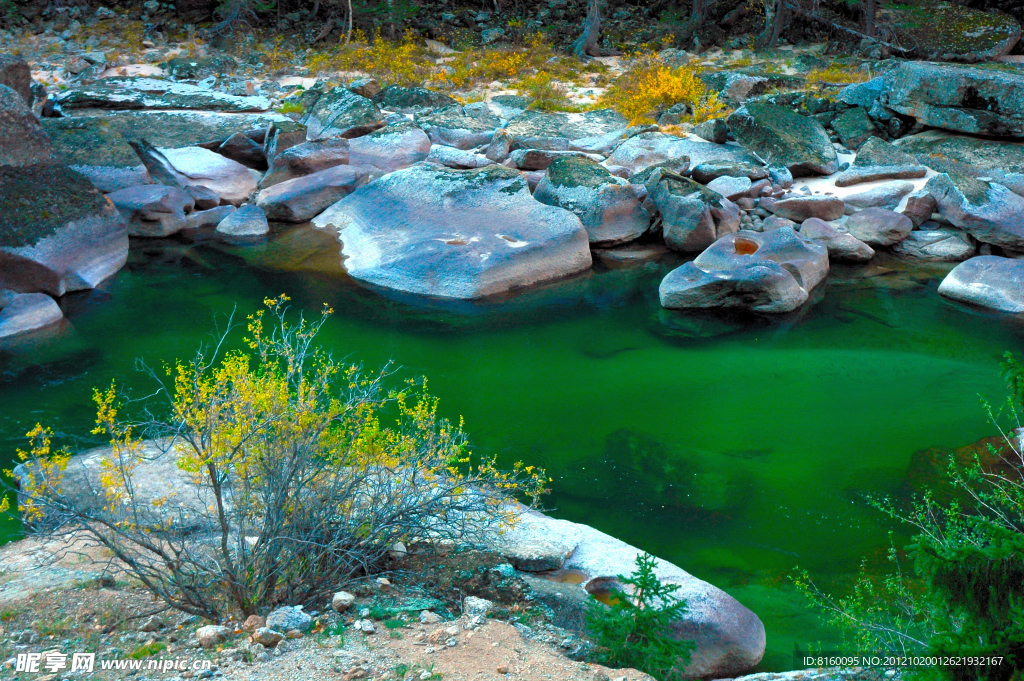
(649, 85)
(291, 473)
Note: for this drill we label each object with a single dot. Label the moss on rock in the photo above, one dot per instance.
(35, 201)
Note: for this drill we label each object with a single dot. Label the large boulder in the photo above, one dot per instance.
(172, 129)
(654, 148)
(94, 148)
(591, 131)
(453, 128)
(303, 198)
(692, 216)
(16, 74)
(886, 195)
(25, 312)
(842, 246)
(783, 138)
(305, 159)
(999, 160)
(948, 31)
(770, 271)
(230, 180)
(879, 160)
(435, 231)
(729, 638)
(799, 208)
(391, 148)
(937, 245)
(339, 112)
(975, 100)
(988, 211)
(606, 205)
(57, 232)
(864, 94)
(245, 225)
(413, 99)
(153, 93)
(987, 281)
(22, 140)
(854, 127)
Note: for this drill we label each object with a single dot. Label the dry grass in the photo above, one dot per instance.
(836, 74)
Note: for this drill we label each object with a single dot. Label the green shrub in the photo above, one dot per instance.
(635, 630)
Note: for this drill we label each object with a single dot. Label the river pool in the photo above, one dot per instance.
(739, 448)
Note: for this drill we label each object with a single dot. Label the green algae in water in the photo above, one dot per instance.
(774, 427)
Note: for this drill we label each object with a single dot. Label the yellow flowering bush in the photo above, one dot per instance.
(649, 85)
(291, 473)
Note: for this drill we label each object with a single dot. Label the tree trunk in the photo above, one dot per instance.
(871, 7)
(586, 45)
(700, 10)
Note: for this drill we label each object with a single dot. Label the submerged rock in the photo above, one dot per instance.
(449, 233)
(765, 272)
(92, 147)
(987, 281)
(25, 312)
(879, 160)
(57, 232)
(782, 138)
(980, 101)
(606, 205)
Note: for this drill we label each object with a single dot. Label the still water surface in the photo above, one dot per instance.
(737, 448)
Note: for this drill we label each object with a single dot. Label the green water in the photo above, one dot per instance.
(737, 448)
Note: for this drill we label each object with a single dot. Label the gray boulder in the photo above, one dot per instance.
(734, 188)
(243, 148)
(879, 227)
(390, 148)
(879, 160)
(714, 130)
(25, 312)
(153, 93)
(729, 638)
(339, 112)
(540, 159)
(692, 216)
(16, 74)
(153, 210)
(998, 160)
(780, 137)
(57, 232)
(799, 208)
(94, 148)
(457, 158)
(413, 99)
(207, 219)
(919, 208)
(303, 198)
(281, 136)
(979, 101)
(449, 233)
(862, 94)
(711, 170)
(937, 245)
(765, 272)
(854, 127)
(987, 281)
(886, 195)
(288, 618)
(22, 140)
(453, 128)
(989, 212)
(557, 132)
(649, 149)
(305, 159)
(842, 246)
(606, 205)
(245, 225)
(230, 180)
(172, 129)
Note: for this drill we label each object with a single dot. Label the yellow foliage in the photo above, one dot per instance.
(650, 85)
(836, 74)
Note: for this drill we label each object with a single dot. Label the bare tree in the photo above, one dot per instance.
(587, 44)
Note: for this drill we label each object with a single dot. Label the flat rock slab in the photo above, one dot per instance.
(975, 100)
(230, 180)
(764, 272)
(879, 227)
(457, 158)
(886, 195)
(453, 128)
(172, 129)
(987, 281)
(94, 148)
(391, 148)
(558, 132)
(879, 160)
(26, 312)
(152, 93)
(937, 245)
(799, 208)
(449, 233)
(780, 137)
(57, 232)
(945, 152)
(943, 31)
